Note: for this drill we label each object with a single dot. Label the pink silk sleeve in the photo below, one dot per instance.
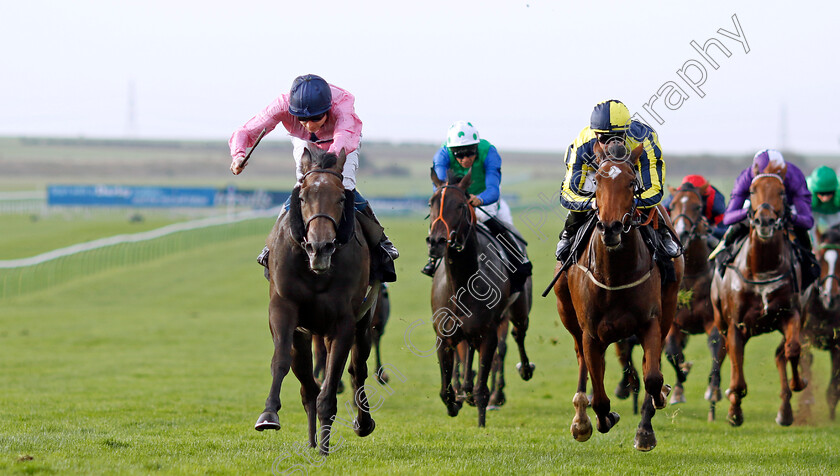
(348, 126)
(267, 119)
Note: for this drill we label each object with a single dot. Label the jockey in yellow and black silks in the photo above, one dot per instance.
(610, 121)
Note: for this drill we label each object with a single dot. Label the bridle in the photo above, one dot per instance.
(632, 218)
(781, 217)
(694, 224)
(319, 215)
(468, 221)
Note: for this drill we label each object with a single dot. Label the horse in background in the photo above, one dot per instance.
(319, 265)
(381, 313)
(471, 290)
(821, 313)
(463, 388)
(760, 292)
(697, 317)
(615, 291)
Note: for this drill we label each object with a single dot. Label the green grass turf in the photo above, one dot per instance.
(162, 367)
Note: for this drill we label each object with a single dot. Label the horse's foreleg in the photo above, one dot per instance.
(519, 311)
(497, 377)
(320, 353)
(651, 341)
(302, 368)
(806, 398)
(737, 384)
(717, 348)
(674, 344)
(594, 354)
(446, 361)
(338, 348)
(793, 349)
(486, 352)
(833, 392)
(785, 415)
(364, 423)
(282, 320)
(469, 374)
(380, 374)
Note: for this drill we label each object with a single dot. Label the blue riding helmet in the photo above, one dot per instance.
(310, 96)
(610, 117)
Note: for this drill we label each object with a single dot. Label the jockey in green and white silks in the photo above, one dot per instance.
(465, 151)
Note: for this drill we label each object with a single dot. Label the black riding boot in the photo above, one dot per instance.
(735, 232)
(385, 242)
(809, 263)
(574, 220)
(431, 266)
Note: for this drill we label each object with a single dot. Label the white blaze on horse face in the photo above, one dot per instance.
(613, 172)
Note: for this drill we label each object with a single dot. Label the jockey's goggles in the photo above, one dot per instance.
(606, 137)
(462, 152)
(312, 118)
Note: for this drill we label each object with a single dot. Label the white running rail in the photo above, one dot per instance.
(135, 237)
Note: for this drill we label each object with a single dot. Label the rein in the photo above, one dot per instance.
(452, 235)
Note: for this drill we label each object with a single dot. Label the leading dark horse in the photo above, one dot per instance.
(319, 268)
(759, 292)
(821, 312)
(614, 292)
(470, 292)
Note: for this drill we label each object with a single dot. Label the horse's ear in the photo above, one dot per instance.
(637, 152)
(435, 179)
(671, 190)
(341, 159)
(306, 160)
(704, 190)
(466, 181)
(598, 150)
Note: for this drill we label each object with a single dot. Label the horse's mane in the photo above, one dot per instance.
(687, 187)
(322, 159)
(453, 179)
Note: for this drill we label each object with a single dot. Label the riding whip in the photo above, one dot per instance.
(256, 143)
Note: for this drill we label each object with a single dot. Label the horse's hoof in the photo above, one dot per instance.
(612, 420)
(453, 408)
(713, 394)
(363, 431)
(491, 408)
(798, 386)
(645, 440)
(497, 399)
(340, 388)
(622, 390)
(659, 403)
(581, 431)
(785, 416)
(382, 378)
(678, 396)
(267, 421)
(525, 371)
(735, 417)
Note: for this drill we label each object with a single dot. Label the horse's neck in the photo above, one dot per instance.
(462, 265)
(630, 256)
(768, 256)
(697, 256)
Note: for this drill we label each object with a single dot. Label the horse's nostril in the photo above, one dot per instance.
(600, 226)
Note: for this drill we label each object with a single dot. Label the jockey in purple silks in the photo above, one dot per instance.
(798, 198)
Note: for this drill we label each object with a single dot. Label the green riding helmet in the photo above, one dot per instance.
(822, 180)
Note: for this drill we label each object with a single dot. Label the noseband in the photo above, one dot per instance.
(453, 234)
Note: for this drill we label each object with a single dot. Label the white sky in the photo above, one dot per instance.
(527, 73)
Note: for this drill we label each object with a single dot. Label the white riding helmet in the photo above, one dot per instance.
(460, 134)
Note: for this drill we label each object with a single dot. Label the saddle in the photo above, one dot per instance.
(494, 227)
